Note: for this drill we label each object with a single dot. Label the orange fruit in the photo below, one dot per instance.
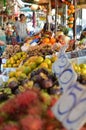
(69, 11)
(71, 19)
(52, 40)
(46, 40)
(71, 6)
(73, 10)
(70, 25)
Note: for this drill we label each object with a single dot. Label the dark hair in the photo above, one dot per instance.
(16, 18)
(21, 15)
(7, 23)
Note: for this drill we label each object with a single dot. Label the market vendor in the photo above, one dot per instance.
(21, 29)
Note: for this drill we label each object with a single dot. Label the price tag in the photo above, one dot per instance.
(62, 68)
(71, 108)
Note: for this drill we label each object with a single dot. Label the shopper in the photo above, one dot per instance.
(21, 29)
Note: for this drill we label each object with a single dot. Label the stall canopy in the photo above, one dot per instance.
(81, 3)
(44, 2)
(25, 9)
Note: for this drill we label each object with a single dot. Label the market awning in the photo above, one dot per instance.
(44, 2)
(26, 9)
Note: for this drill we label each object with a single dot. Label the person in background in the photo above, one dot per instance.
(83, 34)
(9, 33)
(21, 29)
(2, 43)
(16, 21)
(52, 26)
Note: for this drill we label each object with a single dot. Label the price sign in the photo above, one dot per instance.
(63, 70)
(71, 108)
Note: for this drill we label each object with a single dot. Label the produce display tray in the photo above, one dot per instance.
(79, 60)
(74, 54)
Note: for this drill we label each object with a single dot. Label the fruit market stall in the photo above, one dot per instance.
(33, 80)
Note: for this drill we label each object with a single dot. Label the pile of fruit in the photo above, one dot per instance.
(80, 69)
(40, 61)
(30, 110)
(35, 71)
(5, 93)
(15, 60)
(70, 12)
(41, 78)
(10, 51)
(40, 50)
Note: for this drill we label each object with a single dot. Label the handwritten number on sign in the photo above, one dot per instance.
(68, 109)
(71, 107)
(80, 105)
(64, 76)
(70, 96)
(62, 61)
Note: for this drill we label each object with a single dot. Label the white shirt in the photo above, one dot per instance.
(21, 29)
